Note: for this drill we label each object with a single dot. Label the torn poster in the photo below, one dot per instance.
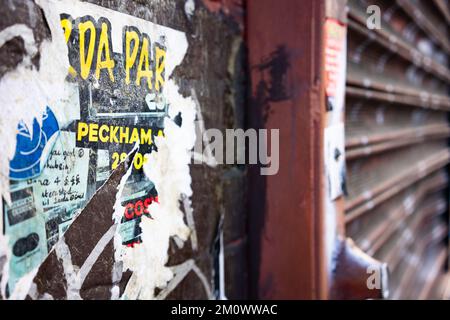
(116, 97)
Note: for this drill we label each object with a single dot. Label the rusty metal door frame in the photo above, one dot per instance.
(286, 215)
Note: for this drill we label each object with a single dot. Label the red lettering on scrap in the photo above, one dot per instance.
(131, 245)
(147, 202)
(129, 213)
(133, 210)
(139, 208)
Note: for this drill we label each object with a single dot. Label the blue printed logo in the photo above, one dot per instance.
(33, 148)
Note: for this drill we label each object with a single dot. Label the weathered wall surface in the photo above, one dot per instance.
(92, 214)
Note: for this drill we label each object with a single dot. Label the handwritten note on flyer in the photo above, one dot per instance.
(64, 179)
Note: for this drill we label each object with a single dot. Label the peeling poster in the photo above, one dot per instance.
(116, 99)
